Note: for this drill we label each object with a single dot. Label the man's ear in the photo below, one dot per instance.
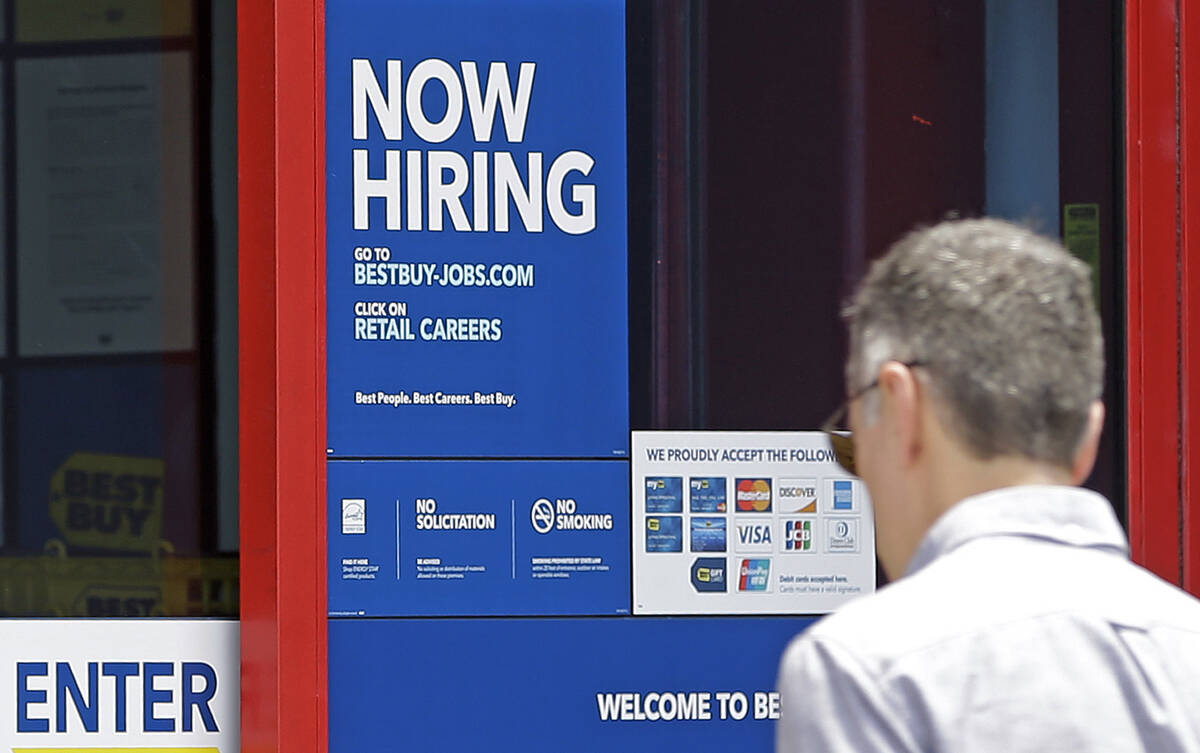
(1089, 445)
(901, 405)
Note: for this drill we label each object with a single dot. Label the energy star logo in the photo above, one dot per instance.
(753, 495)
(798, 536)
(754, 575)
(354, 516)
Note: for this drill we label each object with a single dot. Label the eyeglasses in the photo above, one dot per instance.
(840, 438)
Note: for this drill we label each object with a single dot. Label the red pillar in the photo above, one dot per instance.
(1189, 248)
(281, 384)
(1163, 289)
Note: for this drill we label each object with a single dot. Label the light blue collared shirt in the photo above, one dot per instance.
(1021, 625)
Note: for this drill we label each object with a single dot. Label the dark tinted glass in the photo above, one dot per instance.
(782, 146)
(118, 376)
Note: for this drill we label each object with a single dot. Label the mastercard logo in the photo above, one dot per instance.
(753, 495)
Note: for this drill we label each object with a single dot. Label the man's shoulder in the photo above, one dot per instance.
(970, 593)
(913, 660)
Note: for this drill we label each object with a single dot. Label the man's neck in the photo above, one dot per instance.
(956, 476)
(966, 476)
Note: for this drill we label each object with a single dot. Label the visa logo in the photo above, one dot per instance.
(759, 533)
(754, 537)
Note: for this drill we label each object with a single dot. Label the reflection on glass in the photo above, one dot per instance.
(105, 204)
(110, 503)
(794, 142)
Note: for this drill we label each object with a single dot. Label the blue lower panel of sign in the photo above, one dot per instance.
(531, 685)
(478, 537)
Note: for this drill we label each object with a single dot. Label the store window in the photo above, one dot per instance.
(778, 148)
(118, 372)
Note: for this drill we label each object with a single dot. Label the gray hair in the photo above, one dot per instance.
(1003, 322)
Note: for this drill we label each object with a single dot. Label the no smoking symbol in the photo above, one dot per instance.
(542, 516)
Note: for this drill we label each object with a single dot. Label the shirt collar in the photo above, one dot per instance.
(1061, 514)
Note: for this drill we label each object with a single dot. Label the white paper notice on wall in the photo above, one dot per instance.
(105, 218)
(746, 523)
(120, 685)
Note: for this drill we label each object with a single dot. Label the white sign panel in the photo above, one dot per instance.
(131, 685)
(746, 523)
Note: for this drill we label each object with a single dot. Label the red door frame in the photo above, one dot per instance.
(1163, 287)
(281, 305)
(1189, 247)
(282, 385)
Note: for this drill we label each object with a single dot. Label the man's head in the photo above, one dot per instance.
(987, 349)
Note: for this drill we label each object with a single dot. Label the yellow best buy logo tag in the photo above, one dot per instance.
(110, 502)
